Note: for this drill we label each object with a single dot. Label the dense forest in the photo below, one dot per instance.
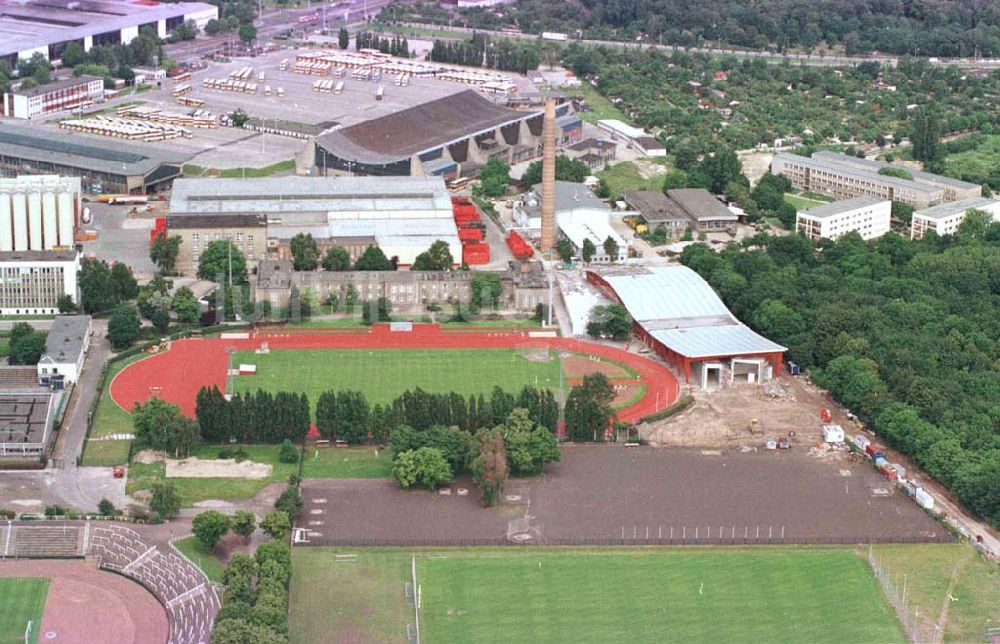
(947, 28)
(745, 103)
(905, 333)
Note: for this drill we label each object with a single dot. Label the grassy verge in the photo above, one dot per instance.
(948, 577)
(23, 601)
(282, 166)
(625, 177)
(105, 453)
(802, 203)
(109, 418)
(600, 106)
(204, 558)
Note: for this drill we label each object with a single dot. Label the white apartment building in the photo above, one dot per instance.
(54, 97)
(867, 216)
(32, 281)
(946, 218)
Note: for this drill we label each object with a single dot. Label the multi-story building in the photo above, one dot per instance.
(843, 177)
(945, 218)
(867, 216)
(31, 282)
(61, 95)
(65, 347)
(954, 189)
(247, 232)
(39, 212)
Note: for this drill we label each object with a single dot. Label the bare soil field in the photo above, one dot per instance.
(606, 494)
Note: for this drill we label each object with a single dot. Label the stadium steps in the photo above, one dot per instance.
(18, 378)
(46, 542)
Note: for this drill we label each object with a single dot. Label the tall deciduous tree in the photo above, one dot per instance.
(373, 259)
(210, 526)
(123, 326)
(337, 259)
(588, 250)
(436, 258)
(424, 467)
(163, 252)
(588, 408)
(221, 259)
(489, 467)
(305, 252)
(164, 500)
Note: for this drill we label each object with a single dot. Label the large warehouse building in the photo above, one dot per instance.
(47, 26)
(103, 166)
(449, 137)
(678, 315)
(402, 216)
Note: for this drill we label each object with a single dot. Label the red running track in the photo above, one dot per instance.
(189, 364)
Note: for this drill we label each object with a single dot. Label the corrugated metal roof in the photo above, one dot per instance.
(584, 224)
(956, 207)
(709, 341)
(842, 206)
(679, 309)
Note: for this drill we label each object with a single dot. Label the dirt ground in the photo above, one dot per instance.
(217, 468)
(722, 418)
(576, 367)
(613, 494)
(85, 605)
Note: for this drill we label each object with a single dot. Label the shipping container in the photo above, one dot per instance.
(793, 368)
(880, 461)
(871, 449)
(924, 499)
(475, 254)
(521, 249)
(470, 234)
(860, 442)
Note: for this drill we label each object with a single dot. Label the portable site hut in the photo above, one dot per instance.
(833, 434)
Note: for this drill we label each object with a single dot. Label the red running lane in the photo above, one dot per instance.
(190, 364)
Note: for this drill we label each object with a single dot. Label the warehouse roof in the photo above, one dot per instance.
(390, 197)
(700, 205)
(28, 25)
(842, 206)
(956, 207)
(185, 222)
(44, 145)
(679, 308)
(654, 206)
(595, 226)
(420, 128)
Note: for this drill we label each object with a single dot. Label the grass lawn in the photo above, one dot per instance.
(204, 558)
(802, 203)
(383, 374)
(976, 164)
(625, 177)
(578, 595)
(360, 462)
(105, 453)
(930, 569)
(23, 599)
(601, 108)
(109, 418)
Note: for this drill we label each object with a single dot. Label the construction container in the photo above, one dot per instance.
(900, 470)
(470, 235)
(924, 499)
(860, 442)
(871, 449)
(825, 415)
(833, 434)
(889, 473)
(793, 368)
(521, 249)
(474, 254)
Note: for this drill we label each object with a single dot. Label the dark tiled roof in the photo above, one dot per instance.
(700, 205)
(655, 206)
(182, 222)
(408, 132)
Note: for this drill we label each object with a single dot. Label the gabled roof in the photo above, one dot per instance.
(66, 338)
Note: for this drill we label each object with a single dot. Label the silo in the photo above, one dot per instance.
(20, 221)
(34, 221)
(6, 237)
(66, 219)
(50, 237)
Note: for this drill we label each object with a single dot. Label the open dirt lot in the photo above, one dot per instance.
(722, 418)
(86, 605)
(603, 494)
(217, 468)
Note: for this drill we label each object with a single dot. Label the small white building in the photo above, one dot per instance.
(868, 216)
(59, 96)
(636, 137)
(944, 219)
(833, 434)
(65, 348)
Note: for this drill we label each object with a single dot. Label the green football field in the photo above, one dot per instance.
(580, 596)
(23, 600)
(383, 374)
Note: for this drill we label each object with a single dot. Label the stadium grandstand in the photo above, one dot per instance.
(678, 315)
(450, 137)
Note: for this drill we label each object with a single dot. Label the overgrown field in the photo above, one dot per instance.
(383, 374)
(576, 595)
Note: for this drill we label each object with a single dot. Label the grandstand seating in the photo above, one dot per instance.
(15, 378)
(189, 598)
(40, 541)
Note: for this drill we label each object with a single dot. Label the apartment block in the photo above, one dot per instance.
(867, 216)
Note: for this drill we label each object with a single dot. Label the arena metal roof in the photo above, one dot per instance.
(679, 309)
(418, 129)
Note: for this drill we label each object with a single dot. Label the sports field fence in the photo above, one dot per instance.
(919, 628)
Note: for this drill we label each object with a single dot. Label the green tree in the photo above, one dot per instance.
(611, 321)
(221, 259)
(424, 467)
(567, 169)
(186, 306)
(494, 177)
(902, 211)
(373, 259)
(436, 258)
(776, 320)
(65, 304)
(305, 252)
(161, 425)
(247, 33)
(163, 252)
(588, 408)
(290, 502)
(611, 248)
(489, 467)
(210, 527)
(925, 134)
(337, 259)
(244, 523)
(73, 54)
(277, 525)
(564, 248)
(530, 447)
(239, 117)
(95, 286)
(675, 179)
(238, 631)
(164, 500)
(343, 38)
(287, 453)
(123, 326)
(106, 508)
(975, 224)
(486, 289)
(588, 251)
(28, 349)
(161, 320)
(379, 310)
(123, 284)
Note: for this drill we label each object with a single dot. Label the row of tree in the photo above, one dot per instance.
(503, 55)
(255, 608)
(259, 417)
(394, 46)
